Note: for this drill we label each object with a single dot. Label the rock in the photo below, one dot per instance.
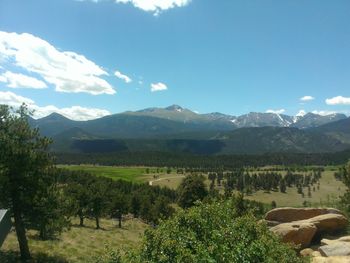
(302, 232)
(328, 223)
(331, 260)
(289, 214)
(326, 241)
(335, 249)
(271, 223)
(306, 252)
(297, 234)
(316, 254)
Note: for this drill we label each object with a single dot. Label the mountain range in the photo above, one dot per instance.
(177, 129)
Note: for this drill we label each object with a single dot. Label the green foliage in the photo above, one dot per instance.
(185, 160)
(213, 233)
(191, 189)
(345, 199)
(26, 185)
(49, 212)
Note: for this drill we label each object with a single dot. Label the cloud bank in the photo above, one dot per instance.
(339, 100)
(307, 98)
(158, 87)
(17, 80)
(77, 113)
(323, 112)
(67, 71)
(122, 76)
(276, 111)
(153, 6)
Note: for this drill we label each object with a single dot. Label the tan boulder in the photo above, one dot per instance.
(302, 232)
(326, 241)
(297, 234)
(328, 223)
(307, 252)
(335, 249)
(330, 260)
(289, 214)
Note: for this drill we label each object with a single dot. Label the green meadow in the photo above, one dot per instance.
(131, 174)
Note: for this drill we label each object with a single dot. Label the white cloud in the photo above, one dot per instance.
(276, 111)
(301, 113)
(339, 100)
(154, 6)
(75, 112)
(11, 99)
(66, 70)
(158, 87)
(323, 112)
(17, 80)
(123, 77)
(307, 98)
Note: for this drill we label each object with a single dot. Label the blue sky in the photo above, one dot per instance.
(230, 56)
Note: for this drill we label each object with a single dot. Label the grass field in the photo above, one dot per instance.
(131, 174)
(330, 189)
(80, 244)
(157, 176)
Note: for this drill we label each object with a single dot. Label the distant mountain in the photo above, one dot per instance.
(54, 124)
(279, 139)
(339, 129)
(240, 141)
(256, 119)
(311, 120)
(181, 130)
(153, 122)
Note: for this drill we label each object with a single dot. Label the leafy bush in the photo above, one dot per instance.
(212, 233)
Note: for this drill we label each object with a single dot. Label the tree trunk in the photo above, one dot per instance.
(120, 221)
(81, 223)
(97, 223)
(42, 233)
(20, 231)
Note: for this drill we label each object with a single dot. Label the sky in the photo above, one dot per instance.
(89, 58)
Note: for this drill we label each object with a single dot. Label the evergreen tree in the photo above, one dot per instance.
(24, 164)
(191, 189)
(119, 206)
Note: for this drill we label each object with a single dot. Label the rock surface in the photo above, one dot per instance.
(303, 231)
(335, 249)
(326, 241)
(328, 223)
(331, 259)
(296, 233)
(289, 214)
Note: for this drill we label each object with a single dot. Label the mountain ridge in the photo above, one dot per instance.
(216, 120)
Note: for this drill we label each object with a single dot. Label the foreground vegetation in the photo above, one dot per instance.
(218, 231)
(79, 244)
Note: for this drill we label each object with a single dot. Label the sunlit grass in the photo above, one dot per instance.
(80, 244)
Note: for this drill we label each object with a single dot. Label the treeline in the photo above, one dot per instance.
(203, 161)
(94, 197)
(243, 181)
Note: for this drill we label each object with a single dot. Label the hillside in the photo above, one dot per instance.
(154, 122)
(339, 129)
(176, 129)
(239, 141)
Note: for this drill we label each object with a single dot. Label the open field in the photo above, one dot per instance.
(132, 174)
(330, 189)
(155, 176)
(80, 244)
